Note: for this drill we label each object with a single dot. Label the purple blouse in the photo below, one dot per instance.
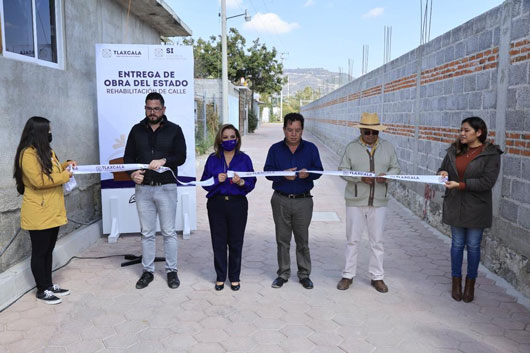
(215, 165)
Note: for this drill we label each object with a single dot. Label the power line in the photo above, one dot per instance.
(276, 38)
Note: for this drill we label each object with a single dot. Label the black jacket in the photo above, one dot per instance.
(145, 145)
(472, 207)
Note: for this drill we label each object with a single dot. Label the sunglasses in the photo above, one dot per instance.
(370, 132)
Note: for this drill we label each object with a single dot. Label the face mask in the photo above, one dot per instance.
(229, 145)
(50, 137)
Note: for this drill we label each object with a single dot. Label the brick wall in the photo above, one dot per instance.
(480, 68)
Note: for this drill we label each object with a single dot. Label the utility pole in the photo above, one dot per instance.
(282, 55)
(224, 63)
(350, 70)
(387, 49)
(364, 68)
(425, 21)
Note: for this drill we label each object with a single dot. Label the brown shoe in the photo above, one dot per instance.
(344, 283)
(379, 286)
(456, 291)
(469, 290)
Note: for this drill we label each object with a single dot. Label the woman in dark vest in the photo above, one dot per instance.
(472, 165)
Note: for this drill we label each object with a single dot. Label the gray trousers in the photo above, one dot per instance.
(292, 216)
(150, 201)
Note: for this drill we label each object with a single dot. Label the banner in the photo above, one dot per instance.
(126, 73)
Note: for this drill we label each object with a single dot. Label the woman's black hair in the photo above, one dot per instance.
(476, 124)
(35, 134)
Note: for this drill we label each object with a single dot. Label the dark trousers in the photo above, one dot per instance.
(42, 244)
(228, 218)
(292, 216)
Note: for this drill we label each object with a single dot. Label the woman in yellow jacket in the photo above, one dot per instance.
(39, 177)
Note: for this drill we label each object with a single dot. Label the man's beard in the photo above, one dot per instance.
(154, 122)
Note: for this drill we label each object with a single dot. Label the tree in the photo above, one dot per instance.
(207, 57)
(293, 103)
(257, 64)
(263, 69)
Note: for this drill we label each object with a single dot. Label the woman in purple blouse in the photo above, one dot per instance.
(227, 204)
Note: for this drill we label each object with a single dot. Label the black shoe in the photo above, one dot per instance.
(219, 287)
(48, 297)
(235, 287)
(58, 291)
(173, 280)
(278, 282)
(307, 283)
(147, 277)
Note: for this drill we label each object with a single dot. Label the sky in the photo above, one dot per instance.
(326, 33)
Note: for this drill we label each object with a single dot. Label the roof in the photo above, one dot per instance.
(159, 15)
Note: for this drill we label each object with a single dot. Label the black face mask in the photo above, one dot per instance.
(50, 137)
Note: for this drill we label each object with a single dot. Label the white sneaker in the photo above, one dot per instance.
(58, 291)
(48, 297)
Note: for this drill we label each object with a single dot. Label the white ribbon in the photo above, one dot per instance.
(351, 173)
(427, 179)
(207, 182)
(230, 173)
(114, 168)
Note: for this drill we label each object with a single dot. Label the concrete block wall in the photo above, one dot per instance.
(68, 98)
(480, 68)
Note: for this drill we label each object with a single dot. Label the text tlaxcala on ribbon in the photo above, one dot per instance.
(114, 168)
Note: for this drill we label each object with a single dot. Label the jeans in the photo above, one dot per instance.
(42, 245)
(471, 238)
(150, 201)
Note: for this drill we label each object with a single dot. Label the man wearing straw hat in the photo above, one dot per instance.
(367, 197)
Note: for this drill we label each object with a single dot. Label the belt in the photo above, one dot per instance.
(295, 196)
(227, 197)
(158, 183)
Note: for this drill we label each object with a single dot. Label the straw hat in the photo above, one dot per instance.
(370, 121)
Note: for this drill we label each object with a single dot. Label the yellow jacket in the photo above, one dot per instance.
(43, 201)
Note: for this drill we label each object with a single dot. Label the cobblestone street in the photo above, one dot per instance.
(105, 313)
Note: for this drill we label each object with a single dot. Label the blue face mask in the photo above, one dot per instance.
(229, 145)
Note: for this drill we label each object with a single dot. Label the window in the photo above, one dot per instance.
(31, 31)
